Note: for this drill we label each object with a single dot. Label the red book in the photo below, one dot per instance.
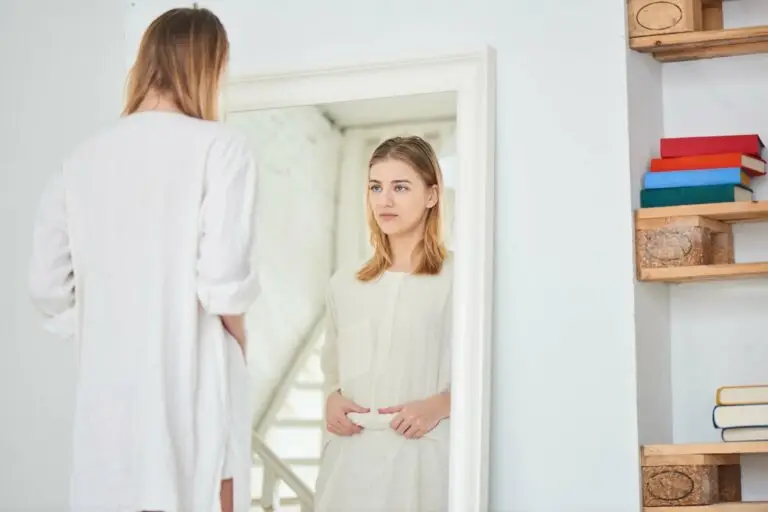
(748, 164)
(674, 147)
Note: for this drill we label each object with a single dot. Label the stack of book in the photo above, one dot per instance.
(699, 170)
(741, 413)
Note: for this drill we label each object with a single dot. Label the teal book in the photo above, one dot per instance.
(677, 196)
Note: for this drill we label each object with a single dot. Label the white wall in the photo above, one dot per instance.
(62, 77)
(652, 329)
(718, 329)
(564, 405)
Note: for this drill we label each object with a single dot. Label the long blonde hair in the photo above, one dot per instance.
(431, 251)
(182, 54)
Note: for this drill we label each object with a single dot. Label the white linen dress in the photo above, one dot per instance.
(143, 238)
(388, 342)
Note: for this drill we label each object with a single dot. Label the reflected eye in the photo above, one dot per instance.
(400, 188)
(375, 188)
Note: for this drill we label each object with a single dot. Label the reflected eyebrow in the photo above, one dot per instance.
(393, 181)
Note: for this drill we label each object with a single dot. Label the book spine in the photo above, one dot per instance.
(694, 146)
(691, 163)
(676, 196)
(719, 394)
(693, 178)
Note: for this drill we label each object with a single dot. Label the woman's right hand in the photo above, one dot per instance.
(336, 408)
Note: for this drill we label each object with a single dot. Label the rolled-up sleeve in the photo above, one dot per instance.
(51, 274)
(227, 282)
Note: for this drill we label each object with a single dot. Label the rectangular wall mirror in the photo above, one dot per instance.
(313, 134)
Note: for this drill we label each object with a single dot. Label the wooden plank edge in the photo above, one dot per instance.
(713, 52)
(714, 225)
(704, 272)
(729, 212)
(697, 459)
(699, 39)
(736, 506)
(717, 448)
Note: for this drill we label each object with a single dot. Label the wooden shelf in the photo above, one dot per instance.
(722, 448)
(703, 44)
(715, 218)
(697, 477)
(739, 506)
(740, 211)
(705, 272)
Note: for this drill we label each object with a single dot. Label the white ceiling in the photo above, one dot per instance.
(420, 107)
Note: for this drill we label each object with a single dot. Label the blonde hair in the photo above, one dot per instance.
(431, 251)
(182, 54)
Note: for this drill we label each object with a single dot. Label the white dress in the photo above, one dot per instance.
(388, 342)
(143, 238)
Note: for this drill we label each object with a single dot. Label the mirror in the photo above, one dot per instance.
(353, 364)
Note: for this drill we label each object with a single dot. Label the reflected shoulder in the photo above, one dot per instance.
(346, 274)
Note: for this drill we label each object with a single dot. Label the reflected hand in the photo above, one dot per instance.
(336, 408)
(416, 419)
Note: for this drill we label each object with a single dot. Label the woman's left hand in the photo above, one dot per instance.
(416, 419)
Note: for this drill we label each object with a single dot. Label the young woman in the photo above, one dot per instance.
(386, 357)
(142, 253)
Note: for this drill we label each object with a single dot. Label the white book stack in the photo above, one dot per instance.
(741, 413)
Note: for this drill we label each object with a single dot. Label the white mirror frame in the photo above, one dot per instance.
(472, 77)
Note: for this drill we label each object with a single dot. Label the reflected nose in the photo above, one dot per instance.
(385, 198)
(389, 198)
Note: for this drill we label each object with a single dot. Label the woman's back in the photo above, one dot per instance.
(134, 195)
(148, 225)
(133, 200)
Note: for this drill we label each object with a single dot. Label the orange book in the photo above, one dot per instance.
(749, 164)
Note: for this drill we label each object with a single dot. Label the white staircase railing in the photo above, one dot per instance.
(289, 376)
(276, 471)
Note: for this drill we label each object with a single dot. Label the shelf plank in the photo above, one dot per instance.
(739, 211)
(705, 272)
(741, 506)
(722, 448)
(703, 44)
(731, 50)
(700, 39)
(691, 460)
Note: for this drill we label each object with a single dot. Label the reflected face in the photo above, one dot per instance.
(398, 197)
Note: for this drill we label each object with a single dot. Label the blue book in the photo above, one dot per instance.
(696, 178)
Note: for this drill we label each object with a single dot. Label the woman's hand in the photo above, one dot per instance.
(235, 326)
(416, 419)
(336, 408)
